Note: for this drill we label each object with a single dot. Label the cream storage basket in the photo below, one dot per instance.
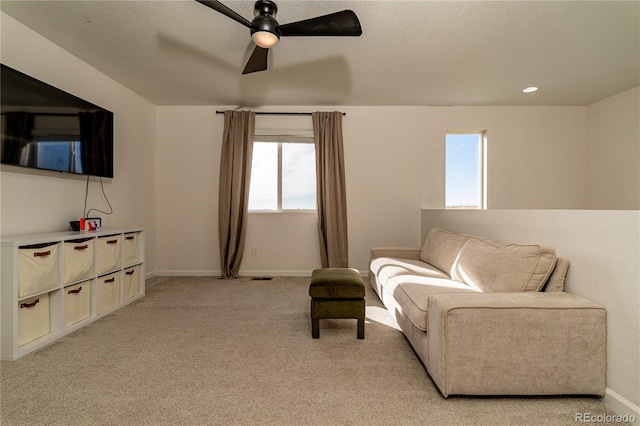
(37, 268)
(130, 287)
(33, 318)
(78, 260)
(77, 303)
(130, 248)
(108, 250)
(108, 292)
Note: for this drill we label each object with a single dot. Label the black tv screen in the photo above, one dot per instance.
(47, 128)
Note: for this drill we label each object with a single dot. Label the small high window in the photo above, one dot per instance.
(465, 170)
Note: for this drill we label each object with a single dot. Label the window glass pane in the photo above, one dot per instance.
(298, 176)
(61, 156)
(263, 192)
(463, 181)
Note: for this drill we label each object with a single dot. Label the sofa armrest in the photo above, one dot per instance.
(397, 252)
(516, 343)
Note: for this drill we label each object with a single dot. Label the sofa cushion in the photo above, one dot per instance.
(412, 294)
(555, 283)
(389, 267)
(492, 267)
(441, 248)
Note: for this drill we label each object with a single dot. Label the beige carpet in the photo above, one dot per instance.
(212, 352)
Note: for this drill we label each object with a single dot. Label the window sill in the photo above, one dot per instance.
(283, 211)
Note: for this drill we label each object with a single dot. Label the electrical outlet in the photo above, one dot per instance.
(254, 252)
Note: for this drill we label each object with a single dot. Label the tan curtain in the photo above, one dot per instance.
(235, 174)
(95, 134)
(16, 136)
(331, 189)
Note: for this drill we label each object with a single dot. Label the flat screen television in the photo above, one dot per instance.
(47, 128)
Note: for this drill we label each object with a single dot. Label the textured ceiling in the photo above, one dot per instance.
(411, 52)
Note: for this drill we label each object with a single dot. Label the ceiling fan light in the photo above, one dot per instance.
(264, 39)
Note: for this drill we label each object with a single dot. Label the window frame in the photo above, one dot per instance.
(279, 140)
(482, 165)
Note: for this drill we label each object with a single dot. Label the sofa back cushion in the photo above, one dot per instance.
(441, 248)
(555, 282)
(492, 267)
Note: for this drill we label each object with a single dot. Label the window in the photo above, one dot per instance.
(465, 171)
(283, 174)
(62, 156)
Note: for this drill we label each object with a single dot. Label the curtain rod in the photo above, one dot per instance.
(278, 113)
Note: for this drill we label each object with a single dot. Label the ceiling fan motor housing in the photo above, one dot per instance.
(265, 12)
(265, 7)
(265, 23)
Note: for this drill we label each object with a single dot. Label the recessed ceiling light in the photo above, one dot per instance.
(530, 89)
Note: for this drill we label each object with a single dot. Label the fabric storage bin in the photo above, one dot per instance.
(37, 268)
(77, 303)
(33, 318)
(108, 292)
(78, 260)
(130, 287)
(130, 248)
(108, 253)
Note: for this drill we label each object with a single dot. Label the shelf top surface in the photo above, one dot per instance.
(62, 236)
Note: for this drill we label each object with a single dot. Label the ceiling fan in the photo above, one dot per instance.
(266, 31)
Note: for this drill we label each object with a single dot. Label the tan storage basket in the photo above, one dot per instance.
(77, 303)
(108, 292)
(108, 253)
(130, 288)
(33, 318)
(37, 269)
(78, 260)
(130, 248)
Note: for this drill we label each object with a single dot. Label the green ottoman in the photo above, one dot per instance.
(336, 293)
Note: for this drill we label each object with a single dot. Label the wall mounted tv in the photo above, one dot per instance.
(46, 128)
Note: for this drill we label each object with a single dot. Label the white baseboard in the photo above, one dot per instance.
(620, 405)
(290, 273)
(243, 273)
(187, 273)
(265, 273)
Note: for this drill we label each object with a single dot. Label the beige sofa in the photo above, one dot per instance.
(492, 319)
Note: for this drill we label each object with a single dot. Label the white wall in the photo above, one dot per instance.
(395, 166)
(189, 141)
(613, 152)
(42, 201)
(603, 247)
(535, 155)
(187, 174)
(287, 244)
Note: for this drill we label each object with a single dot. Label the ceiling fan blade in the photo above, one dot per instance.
(257, 61)
(344, 23)
(219, 7)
